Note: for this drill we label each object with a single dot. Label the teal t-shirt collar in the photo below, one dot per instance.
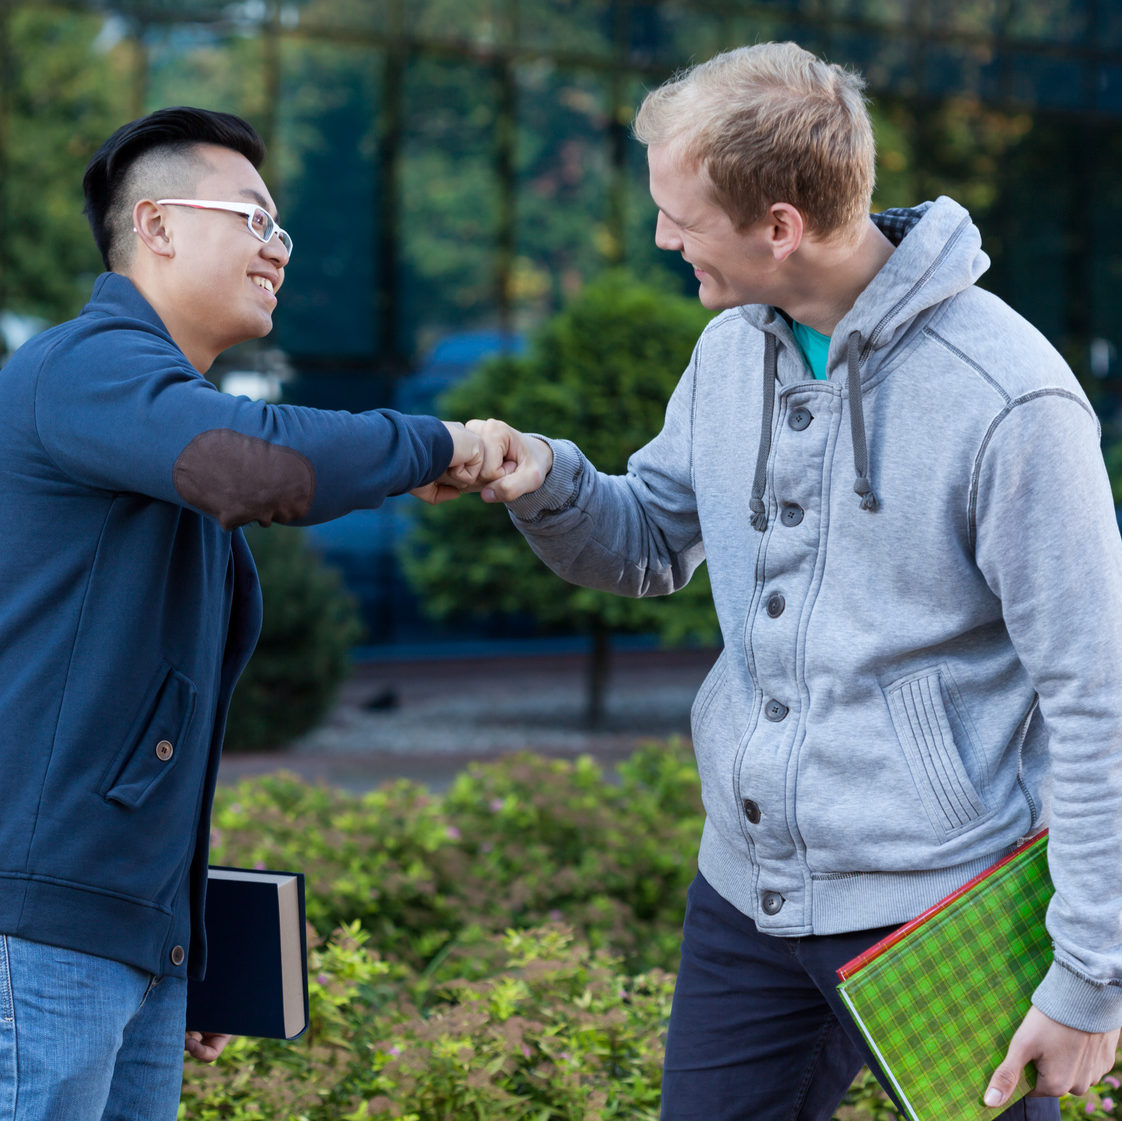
(815, 348)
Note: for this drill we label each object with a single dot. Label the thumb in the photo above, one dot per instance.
(1004, 1079)
(499, 490)
(517, 478)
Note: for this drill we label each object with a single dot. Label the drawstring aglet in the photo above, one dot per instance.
(759, 518)
(865, 490)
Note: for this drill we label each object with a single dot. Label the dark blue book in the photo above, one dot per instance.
(256, 979)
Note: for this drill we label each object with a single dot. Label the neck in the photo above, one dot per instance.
(178, 325)
(830, 275)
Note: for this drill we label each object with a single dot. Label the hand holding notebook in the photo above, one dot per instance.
(1066, 1060)
(940, 999)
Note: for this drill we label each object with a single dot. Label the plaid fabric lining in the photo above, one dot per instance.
(897, 221)
(939, 1007)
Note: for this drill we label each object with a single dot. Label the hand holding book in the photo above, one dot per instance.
(256, 979)
(940, 998)
(205, 1047)
(1067, 1061)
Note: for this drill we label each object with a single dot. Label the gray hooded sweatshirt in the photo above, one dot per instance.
(918, 576)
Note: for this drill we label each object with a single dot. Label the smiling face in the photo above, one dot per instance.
(732, 266)
(218, 283)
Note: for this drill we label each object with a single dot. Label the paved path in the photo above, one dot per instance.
(425, 720)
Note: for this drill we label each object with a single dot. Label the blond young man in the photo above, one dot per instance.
(897, 486)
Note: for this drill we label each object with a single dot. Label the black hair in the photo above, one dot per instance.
(177, 127)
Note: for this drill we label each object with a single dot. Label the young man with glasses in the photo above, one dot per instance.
(897, 488)
(129, 605)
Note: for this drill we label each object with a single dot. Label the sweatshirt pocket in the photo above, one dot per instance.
(703, 701)
(935, 735)
(152, 746)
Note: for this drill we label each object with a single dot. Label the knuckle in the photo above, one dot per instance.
(1004, 1079)
(1049, 1086)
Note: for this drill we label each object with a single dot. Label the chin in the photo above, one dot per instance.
(263, 327)
(712, 302)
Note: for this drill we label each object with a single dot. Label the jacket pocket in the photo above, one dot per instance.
(934, 734)
(699, 710)
(151, 747)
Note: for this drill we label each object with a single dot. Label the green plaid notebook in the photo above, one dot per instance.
(939, 999)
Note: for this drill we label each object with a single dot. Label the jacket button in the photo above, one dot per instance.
(791, 514)
(164, 750)
(752, 811)
(775, 711)
(800, 418)
(177, 955)
(775, 605)
(772, 902)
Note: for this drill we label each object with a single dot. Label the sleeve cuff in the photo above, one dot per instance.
(559, 491)
(1078, 1002)
(434, 431)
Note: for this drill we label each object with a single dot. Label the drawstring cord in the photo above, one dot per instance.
(857, 426)
(756, 503)
(861, 486)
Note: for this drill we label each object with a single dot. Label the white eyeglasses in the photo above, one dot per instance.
(259, 221)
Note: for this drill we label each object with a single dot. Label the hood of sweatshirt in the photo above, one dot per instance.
(938, 254)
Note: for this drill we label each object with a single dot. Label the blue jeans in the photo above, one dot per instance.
(757, 1031)
(86, 1039)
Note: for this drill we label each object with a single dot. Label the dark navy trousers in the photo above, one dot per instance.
(757, 1030)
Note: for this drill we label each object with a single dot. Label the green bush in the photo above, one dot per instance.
(599, 372)
(504, 950)
(515, 843)
(556, 1032)
(303, 656)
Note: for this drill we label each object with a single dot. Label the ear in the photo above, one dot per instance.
(148, 225)
(785, 229)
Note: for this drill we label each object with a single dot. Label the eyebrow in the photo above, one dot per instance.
(676, 221)
(659, 206)
(260, 199)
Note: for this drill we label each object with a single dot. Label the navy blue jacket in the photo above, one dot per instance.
(129, 605)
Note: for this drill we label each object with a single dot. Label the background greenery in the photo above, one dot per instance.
(448, 169)
(446, 166)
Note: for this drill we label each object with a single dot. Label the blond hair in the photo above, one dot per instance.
(770, 123)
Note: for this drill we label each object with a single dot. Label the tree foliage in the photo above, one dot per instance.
(600, 372)
(66, 91)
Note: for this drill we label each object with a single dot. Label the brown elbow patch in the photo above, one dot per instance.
(239, 479)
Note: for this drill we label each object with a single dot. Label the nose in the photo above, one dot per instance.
(666, 233)
(275, 251)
